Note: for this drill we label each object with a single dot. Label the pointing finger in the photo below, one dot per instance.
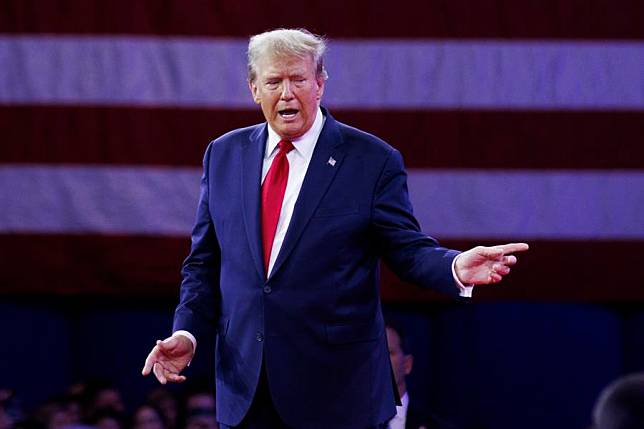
(513, 247)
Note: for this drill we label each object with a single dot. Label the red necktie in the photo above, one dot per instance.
(272, 196)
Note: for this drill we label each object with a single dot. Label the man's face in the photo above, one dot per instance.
(289, 93)
(400, 362)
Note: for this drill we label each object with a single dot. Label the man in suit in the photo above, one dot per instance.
(293, 218)
(409, 415)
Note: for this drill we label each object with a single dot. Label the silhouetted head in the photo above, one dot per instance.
(621, 404)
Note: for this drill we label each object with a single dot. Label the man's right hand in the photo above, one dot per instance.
(168, 358)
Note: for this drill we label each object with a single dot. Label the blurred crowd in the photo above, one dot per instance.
(97, 404)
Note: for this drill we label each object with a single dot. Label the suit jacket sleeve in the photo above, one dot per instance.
(412, 255)
(199, 296)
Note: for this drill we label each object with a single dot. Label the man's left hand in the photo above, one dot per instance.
(484, 265)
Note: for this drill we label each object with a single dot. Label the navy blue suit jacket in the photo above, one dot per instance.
(316, 322)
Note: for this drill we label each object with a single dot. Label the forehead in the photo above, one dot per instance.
(285, 65)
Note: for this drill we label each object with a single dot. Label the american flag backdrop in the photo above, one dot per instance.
(518, 120)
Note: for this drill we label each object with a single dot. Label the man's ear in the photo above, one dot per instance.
(254, 92)
(408, 363)
(320, 82)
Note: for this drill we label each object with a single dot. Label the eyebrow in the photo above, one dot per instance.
(296, 73)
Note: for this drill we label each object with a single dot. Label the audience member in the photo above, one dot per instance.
(199, 394)
(147, 417)
(201, 418)
(7, 420)
(52, 415)
(164, 401)
(621, 404)
(101, 395)
(106, 418)
(199, 405)
(72, 403)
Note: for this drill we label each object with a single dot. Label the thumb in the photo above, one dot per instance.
(167, 344)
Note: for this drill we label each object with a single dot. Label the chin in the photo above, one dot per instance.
(290, 133)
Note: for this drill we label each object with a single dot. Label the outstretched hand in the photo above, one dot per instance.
(484, 265)
(168, 358)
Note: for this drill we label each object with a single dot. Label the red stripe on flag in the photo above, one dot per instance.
(581, 19)
(427, 139)
(133, 266)
(590, 271)
(91, 264)
(104, 135)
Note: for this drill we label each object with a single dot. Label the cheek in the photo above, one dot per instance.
(268, 107)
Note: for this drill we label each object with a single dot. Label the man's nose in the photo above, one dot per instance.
(286, 90)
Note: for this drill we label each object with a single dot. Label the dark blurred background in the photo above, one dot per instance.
(518, 120)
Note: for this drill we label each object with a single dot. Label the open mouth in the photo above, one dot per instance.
(288, 113)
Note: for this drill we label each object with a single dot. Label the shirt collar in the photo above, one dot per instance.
(400, 419)
(404, 400)
(304, 144)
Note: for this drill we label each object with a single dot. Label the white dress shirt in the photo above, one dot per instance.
(298, 160)
(399, 420)
(298, 163)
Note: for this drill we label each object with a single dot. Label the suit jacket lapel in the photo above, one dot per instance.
(251, 169)
(326, 161)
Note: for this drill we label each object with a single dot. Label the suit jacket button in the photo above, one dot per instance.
(267, 289)
(259, 337)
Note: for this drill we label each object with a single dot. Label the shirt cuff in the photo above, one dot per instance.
(189, 336)
(463, 290)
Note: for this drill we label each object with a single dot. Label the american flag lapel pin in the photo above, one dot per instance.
(331, 161)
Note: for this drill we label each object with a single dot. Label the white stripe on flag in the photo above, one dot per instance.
(448, 203)
(157, 201)
(392, 74)
(599, 204)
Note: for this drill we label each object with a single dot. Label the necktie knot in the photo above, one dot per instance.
(285, 146)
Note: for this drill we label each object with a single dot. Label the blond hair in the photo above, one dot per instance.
(284, 43)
